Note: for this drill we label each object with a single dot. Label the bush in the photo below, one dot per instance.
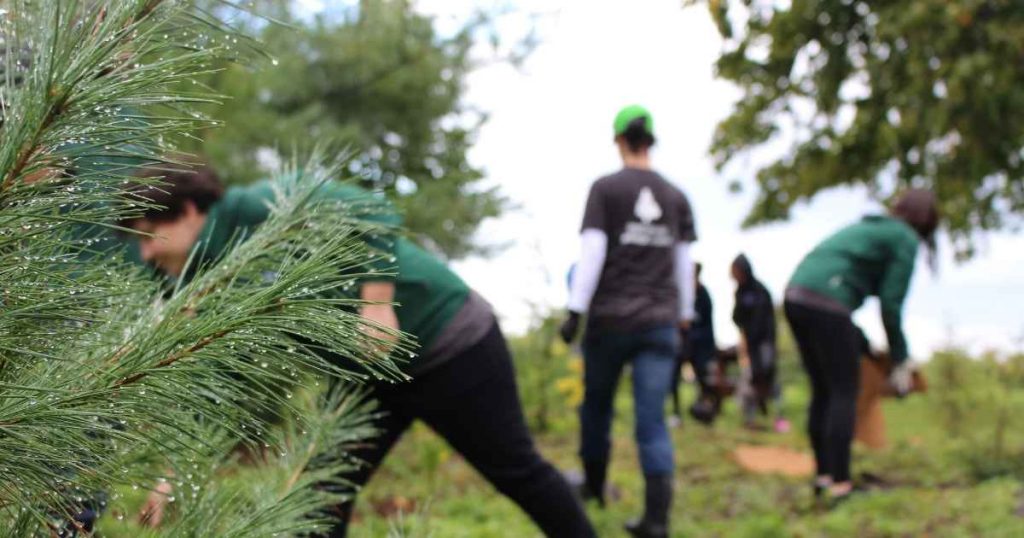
(980, 403)
(549, 376)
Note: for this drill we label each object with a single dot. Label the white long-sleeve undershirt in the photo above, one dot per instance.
(593, 250)
(587, 275)
(685, 281)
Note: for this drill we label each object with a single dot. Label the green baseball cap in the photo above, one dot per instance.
(630, 113)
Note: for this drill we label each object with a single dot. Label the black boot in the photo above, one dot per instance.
(657, 502)
(595, 474)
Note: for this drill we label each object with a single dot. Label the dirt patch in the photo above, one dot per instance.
(391, 506)
(773, 460)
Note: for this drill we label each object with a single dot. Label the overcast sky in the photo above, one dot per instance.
(549, 137)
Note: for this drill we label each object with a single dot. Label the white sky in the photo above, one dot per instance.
(549, 137)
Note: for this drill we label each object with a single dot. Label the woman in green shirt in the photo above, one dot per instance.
(462, 382)
(872, 257)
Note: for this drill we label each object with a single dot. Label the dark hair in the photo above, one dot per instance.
(636, 135)
(177, 184)
(919, 208)
(742, 264)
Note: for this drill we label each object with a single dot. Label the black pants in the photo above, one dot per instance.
(471, 401)
(829, 347)
(698, 348)
(763, 370)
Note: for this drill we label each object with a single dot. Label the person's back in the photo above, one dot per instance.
(643, 217)
(428, 295)
(635, 282)
(462, 383)
(873, 257)
(754, 313)
(853, 263)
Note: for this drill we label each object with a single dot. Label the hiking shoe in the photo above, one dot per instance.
(835, 501)
(643, 529)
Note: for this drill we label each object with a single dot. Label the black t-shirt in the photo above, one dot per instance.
(703, 325)
(644, 216)
(754, 313)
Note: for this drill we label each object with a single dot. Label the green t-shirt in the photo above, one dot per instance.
(872, 257)
(427, 293)
(97, 241)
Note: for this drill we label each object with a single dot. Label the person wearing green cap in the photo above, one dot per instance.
(634, 281)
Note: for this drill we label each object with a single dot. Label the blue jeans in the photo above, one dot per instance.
(652, 354)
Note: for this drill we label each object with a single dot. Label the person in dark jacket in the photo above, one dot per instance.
(754, 316)
(463, 384)
(634, 281)
(873, 257)
(699, 351)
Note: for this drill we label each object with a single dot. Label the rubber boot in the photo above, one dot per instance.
(657, 502)
(595, 474)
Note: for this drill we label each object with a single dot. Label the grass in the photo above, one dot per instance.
(953, 471)
(934, 493)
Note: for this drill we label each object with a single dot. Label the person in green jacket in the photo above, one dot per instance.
(463, 385)
(872, 257)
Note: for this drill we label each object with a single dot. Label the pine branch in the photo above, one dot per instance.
(104, 376)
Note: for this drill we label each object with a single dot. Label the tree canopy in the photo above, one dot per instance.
(377, 79)
(885, 94)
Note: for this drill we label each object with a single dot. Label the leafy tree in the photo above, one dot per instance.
(107, 378)
(883, 94)
(380, 80)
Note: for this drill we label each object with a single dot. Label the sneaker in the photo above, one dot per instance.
(834, 501)
(782, 425)
(754, 426)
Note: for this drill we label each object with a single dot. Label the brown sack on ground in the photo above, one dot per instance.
(874, 385)
(774, 460)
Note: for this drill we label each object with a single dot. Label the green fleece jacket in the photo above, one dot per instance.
(872, 257)
(427, 293)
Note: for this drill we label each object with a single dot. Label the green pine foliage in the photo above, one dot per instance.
(377, 77)
(109, 380)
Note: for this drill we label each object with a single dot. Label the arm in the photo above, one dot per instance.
(742, 355)
(685, 281)
(152, 512)
(379, 296)
(891, 294)
(593, 250)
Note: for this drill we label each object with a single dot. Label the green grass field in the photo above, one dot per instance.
(954, 467)
(933, 489)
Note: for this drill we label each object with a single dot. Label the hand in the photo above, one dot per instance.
(901, 378)
(382, 315)
(569, 327)
(152, 513)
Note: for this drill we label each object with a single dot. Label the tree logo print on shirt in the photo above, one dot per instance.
(645, 233)
(647, 208)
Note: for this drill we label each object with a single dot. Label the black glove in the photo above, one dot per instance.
(569, 327)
